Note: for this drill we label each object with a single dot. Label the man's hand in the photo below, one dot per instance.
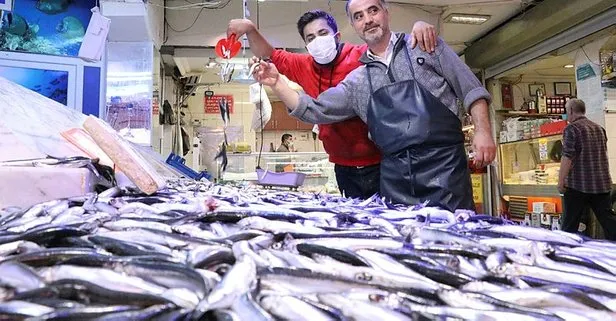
(264, 72)
(561, 187)
(484, 148)
(239, 27)
(423, 34)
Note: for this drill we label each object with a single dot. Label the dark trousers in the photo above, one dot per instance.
(575, 202)
(358, 182)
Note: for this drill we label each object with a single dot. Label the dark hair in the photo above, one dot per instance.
(383, 4)
(285, 137)
(577, 106)
(313, 15)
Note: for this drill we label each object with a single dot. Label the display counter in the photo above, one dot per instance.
(319, 171)
(530, 167)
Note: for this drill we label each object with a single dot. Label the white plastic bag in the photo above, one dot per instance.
(263, 108)
(95, 38)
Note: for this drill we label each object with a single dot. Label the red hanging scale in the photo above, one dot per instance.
(229, 47)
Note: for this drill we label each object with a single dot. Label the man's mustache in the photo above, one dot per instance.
(370, 27)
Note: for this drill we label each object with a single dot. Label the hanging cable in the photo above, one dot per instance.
(187, 28)
(260, 102)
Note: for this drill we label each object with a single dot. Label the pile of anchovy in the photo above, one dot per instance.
(200, 251)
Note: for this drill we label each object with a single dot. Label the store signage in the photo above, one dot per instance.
(477, 183)
(155, 106)
(585, 71)
(211, 103)
(543, 149)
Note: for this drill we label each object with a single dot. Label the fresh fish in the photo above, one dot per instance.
(341, 255)
(247, 309)
(513, 269)
(260, 223)
(236, 283)
(291, 308)
(16, 309)
(359, 311)
(19, 277)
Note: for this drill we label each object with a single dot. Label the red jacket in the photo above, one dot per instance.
(346, 142)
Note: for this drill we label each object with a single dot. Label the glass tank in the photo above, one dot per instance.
(129, 90)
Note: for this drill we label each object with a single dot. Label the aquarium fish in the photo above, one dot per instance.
(53, 6)
(14, 24)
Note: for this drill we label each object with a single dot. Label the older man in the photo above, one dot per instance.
(585, 171)
(408, 99)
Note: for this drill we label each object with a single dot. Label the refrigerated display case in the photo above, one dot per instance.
(530, 167)
(319, 171)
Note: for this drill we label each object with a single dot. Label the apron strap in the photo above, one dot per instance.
(408, 58)
(408, 55)
(369, 79)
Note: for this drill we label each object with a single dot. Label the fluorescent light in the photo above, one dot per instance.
(568, 66)
(465, 18)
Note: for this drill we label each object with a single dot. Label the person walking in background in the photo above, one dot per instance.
(584, 177)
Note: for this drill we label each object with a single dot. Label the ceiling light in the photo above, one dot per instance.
(465, 18)
(568, 66)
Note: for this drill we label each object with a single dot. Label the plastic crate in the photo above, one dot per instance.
(285, 179)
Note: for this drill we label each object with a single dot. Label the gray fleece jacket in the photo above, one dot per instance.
(442, 73)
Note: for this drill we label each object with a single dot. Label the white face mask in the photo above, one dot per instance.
(323, 49)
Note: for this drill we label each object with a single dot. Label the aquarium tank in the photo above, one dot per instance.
(51, 27)
(52, 84)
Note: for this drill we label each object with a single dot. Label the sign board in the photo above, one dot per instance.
(155, 106)
(477, 182)
(210, 103)
(585, 71)
(543, 149)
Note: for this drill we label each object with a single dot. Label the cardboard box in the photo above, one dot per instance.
(503, 136)
(513, 136)
(544, 207)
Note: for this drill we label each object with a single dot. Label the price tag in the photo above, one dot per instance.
(543, 149)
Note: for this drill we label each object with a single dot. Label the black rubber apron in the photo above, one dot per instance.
(422, 143)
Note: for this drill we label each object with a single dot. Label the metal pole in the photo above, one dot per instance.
(490, 206)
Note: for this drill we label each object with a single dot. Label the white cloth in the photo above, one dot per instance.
(263, 108)
(93, 44)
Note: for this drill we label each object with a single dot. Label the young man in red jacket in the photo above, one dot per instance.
(327, 63)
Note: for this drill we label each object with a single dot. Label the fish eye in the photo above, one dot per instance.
(277, 246)
(376, 297)
(363, 276)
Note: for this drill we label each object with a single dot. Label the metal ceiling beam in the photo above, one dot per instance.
(547, 20)
(595, 25)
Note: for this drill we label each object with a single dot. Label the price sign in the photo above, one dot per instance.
(211, 103)
(543, 149)
(477, 183)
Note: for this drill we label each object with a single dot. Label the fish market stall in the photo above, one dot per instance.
(202, 251)
(144, 244)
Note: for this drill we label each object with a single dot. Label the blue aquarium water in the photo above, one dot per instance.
(49, 83)
(53, 27)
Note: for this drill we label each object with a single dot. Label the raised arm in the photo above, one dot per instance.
(331, 106)
(258, 44)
